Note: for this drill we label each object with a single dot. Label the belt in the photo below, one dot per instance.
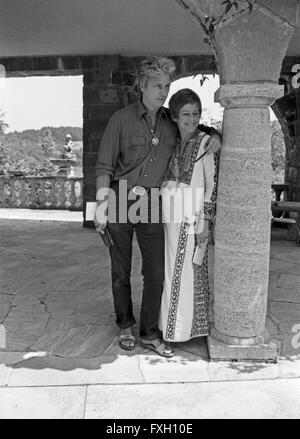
(141, 190)
(137, 190)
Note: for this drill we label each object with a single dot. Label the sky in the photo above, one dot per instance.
(34, 102)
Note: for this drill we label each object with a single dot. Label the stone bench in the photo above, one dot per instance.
(283, 207)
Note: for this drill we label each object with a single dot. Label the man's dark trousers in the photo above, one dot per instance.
(150, 237)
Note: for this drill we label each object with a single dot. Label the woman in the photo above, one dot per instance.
(188, 200)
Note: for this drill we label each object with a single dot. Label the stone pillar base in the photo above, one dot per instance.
(219, 350)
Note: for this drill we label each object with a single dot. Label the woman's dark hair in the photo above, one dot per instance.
(181, 98)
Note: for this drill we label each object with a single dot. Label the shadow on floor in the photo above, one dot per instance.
(55, 296)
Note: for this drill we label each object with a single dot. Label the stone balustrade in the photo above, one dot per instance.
(47, 192)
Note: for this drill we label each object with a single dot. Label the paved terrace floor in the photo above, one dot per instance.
(61, 356)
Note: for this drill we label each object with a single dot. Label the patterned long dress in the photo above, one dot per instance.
(188, 197)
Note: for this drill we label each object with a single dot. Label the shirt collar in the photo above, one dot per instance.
(141, 110)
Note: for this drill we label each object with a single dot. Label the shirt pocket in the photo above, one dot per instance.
(134, 147)
(168, 147)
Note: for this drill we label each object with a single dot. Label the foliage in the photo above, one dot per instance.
(208, 119)
(230, 3)
(278, 152)
(30, 151)
(3, 124)
(47, 143)
(203, 79)
(210, 23)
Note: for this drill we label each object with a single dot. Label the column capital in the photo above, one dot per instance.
(248, 94)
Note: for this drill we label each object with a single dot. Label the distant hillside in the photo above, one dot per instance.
(58, 133)
(30, 151)
(28, 142)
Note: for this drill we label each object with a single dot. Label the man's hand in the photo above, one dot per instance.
(214, 144)
(102, 191)
(201, 237)
(100, 226)
(100, 219)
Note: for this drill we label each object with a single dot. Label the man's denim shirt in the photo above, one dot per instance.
(126, 153)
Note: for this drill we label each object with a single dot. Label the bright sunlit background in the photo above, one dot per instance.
(35, 102)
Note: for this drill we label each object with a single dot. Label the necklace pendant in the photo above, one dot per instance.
(155, 141)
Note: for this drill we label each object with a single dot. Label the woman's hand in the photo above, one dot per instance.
(214, 144)
(201, 237)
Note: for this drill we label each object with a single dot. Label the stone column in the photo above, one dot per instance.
(249, 40)
(251, 48)
(243, 223)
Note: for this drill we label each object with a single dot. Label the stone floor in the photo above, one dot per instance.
(57, 322)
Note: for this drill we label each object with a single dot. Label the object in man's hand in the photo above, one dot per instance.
(199, 253)
(106, 238)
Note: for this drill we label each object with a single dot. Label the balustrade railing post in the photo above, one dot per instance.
(42, 193)
(12, 191)
(22, 195)
(80, 198)
(2, 185)
(72, 192)
(52, 192)
(33, 192)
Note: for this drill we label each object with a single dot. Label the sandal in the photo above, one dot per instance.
(158, 346)
(127, 341)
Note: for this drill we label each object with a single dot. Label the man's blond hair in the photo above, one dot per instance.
(153, 66)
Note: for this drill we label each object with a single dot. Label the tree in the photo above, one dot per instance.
(278, 151)
(207, 118)
(3, 124)
(3, 154)
(47, 143)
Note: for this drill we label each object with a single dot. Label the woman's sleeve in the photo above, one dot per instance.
(210, 168)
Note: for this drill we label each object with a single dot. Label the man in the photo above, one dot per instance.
(136, 147)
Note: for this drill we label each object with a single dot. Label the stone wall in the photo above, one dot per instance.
(101, 99)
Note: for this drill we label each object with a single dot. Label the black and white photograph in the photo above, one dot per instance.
(150, 212)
